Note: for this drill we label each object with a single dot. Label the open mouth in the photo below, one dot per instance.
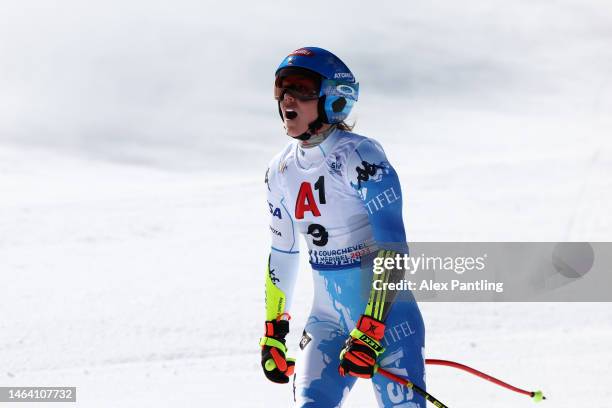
(290, 114)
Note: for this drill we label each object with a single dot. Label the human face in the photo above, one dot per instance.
(297, 113)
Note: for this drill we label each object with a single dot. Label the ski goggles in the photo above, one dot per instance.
(304, 87)
(298, 86)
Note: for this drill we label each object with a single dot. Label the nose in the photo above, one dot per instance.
(287, 97)
(288, 101)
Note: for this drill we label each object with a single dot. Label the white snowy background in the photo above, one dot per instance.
(134, 137)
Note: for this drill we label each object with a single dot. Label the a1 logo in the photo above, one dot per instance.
(305, 199)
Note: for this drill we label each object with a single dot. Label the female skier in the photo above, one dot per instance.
(339, 191)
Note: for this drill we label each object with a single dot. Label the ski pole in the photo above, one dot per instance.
(537, 396)
(412, 385)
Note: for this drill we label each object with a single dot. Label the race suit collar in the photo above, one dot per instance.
(313, 151)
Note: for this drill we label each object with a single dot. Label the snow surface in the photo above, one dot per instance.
(134, 137)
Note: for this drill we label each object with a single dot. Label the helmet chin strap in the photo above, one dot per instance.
(313, 127)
